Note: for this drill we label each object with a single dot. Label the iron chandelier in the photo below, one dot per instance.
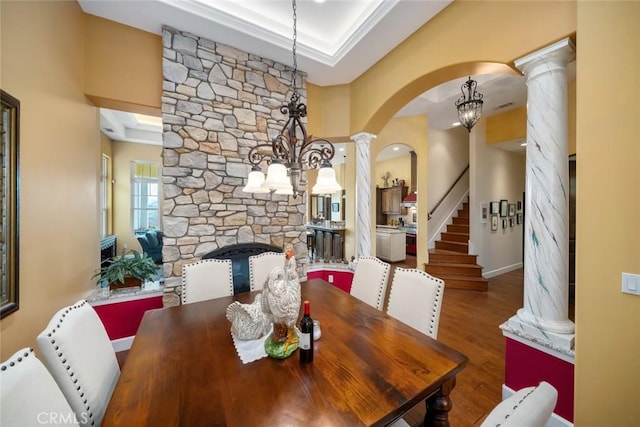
(469, 105)
(291, 149)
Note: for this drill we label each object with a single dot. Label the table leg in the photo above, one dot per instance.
(439, 405)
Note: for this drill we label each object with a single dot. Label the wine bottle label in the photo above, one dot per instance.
(305, 341)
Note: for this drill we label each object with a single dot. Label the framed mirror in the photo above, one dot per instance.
(9, 193)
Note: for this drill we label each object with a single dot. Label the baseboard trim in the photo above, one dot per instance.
(502, 270)
(122, 344)
(555, 420)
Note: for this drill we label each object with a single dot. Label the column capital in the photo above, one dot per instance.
(559, 53)
(363, 137)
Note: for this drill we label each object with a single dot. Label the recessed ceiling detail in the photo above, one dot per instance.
(337, 40)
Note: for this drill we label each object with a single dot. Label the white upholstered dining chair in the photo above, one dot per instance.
(261, 265)
(77, 350)
(207, 279)
(416, 299)
(29, 396)
(528, 407)
(370, 281)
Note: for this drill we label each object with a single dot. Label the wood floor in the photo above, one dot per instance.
(469, 323)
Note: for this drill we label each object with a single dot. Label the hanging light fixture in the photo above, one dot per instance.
(469, 105)
(291, 149)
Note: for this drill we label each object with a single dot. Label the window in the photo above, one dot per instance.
(104, 196)
(145, 197)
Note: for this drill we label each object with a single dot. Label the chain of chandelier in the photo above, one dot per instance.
(292, 149)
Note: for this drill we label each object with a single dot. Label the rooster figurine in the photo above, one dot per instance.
(281, 304)
(248, 322)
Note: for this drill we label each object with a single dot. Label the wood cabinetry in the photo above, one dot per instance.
(391, 200)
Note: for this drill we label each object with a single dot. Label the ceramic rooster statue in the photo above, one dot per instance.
(281, 304)
(248, 321)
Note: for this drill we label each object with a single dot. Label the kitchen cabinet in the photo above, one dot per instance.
(391, 200)
(391, 245)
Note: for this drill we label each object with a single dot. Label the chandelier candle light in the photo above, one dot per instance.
(292, 148)
(469, 105)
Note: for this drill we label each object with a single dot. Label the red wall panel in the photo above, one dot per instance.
(526, 366)
(341, 279)
(121, 319)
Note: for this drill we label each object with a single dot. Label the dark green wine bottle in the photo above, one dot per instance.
(306, 336)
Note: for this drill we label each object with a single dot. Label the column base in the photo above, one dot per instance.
(562, 343)
(561, 327)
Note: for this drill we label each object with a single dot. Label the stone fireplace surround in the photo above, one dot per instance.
(217, 103)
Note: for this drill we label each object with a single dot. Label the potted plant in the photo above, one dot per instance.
(127, 270)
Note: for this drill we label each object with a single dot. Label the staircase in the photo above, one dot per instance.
(450, 260)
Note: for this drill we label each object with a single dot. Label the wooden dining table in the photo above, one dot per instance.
(368, 369)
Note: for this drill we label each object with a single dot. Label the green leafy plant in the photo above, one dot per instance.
(130, 264)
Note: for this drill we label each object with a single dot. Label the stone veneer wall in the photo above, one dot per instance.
(217, 103)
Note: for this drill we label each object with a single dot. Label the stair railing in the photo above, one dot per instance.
(447, 193)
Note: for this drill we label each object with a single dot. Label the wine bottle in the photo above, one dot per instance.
(306, 336)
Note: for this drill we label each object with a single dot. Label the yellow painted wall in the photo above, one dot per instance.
(506, 126)
(123, 154)
(426, 58)
(123, 67)
(329, 111)
(608, 201)
(42, 65)
(398, 167)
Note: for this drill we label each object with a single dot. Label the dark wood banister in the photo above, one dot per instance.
(447, 193)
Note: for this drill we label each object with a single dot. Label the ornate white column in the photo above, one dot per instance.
(544, 317)
(363, 193)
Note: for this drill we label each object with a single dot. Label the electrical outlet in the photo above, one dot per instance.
(331, 278)
(631, 283)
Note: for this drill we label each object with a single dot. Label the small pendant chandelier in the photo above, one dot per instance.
(292, 148)
(469, 105)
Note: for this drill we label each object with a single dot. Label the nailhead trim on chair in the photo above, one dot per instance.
(440, 283)
(381, 289)
(251, 275)
(183, 296)
(64, 360)
(506, 417)
(5, 366)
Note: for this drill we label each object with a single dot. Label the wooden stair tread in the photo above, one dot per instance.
(462, 278)
(444, 252)
(453, 264)
(453, 242)
(450, 259)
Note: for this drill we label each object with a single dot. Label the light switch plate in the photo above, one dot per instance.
(631, 283)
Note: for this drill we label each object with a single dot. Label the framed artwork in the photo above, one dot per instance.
(504, 222)
(511, 222)
(335, 207)
(9, 194)
(519, 218)
(512, 209)
(495, 208)
(484, 213)
(494, 222)
(504, 208)
(519, 205)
